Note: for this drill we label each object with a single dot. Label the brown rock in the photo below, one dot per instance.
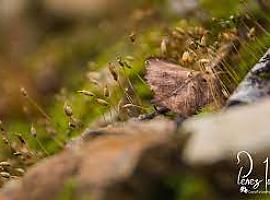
(100, 165)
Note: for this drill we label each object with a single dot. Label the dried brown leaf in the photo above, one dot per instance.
(180, 89)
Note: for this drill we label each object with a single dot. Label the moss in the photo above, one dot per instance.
(217, 8)
(190, 187)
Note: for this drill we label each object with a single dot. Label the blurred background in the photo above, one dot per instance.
(46, 45)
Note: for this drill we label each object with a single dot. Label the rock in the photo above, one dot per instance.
(215, 142)
(134, 160)
(99, 167)
(256, 84)
(221, 136)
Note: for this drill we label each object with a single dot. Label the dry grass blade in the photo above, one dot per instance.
(180, 89)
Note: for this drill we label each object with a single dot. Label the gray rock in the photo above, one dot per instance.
(256, 84)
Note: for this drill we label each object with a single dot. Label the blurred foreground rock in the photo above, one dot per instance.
(134, 160)
(215, 142)
(220, 136)
(101, 167)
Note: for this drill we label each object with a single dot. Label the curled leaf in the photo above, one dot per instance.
(180, 89)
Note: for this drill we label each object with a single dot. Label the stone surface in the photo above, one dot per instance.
(221, 136)
(256, 84)
(101, 163)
